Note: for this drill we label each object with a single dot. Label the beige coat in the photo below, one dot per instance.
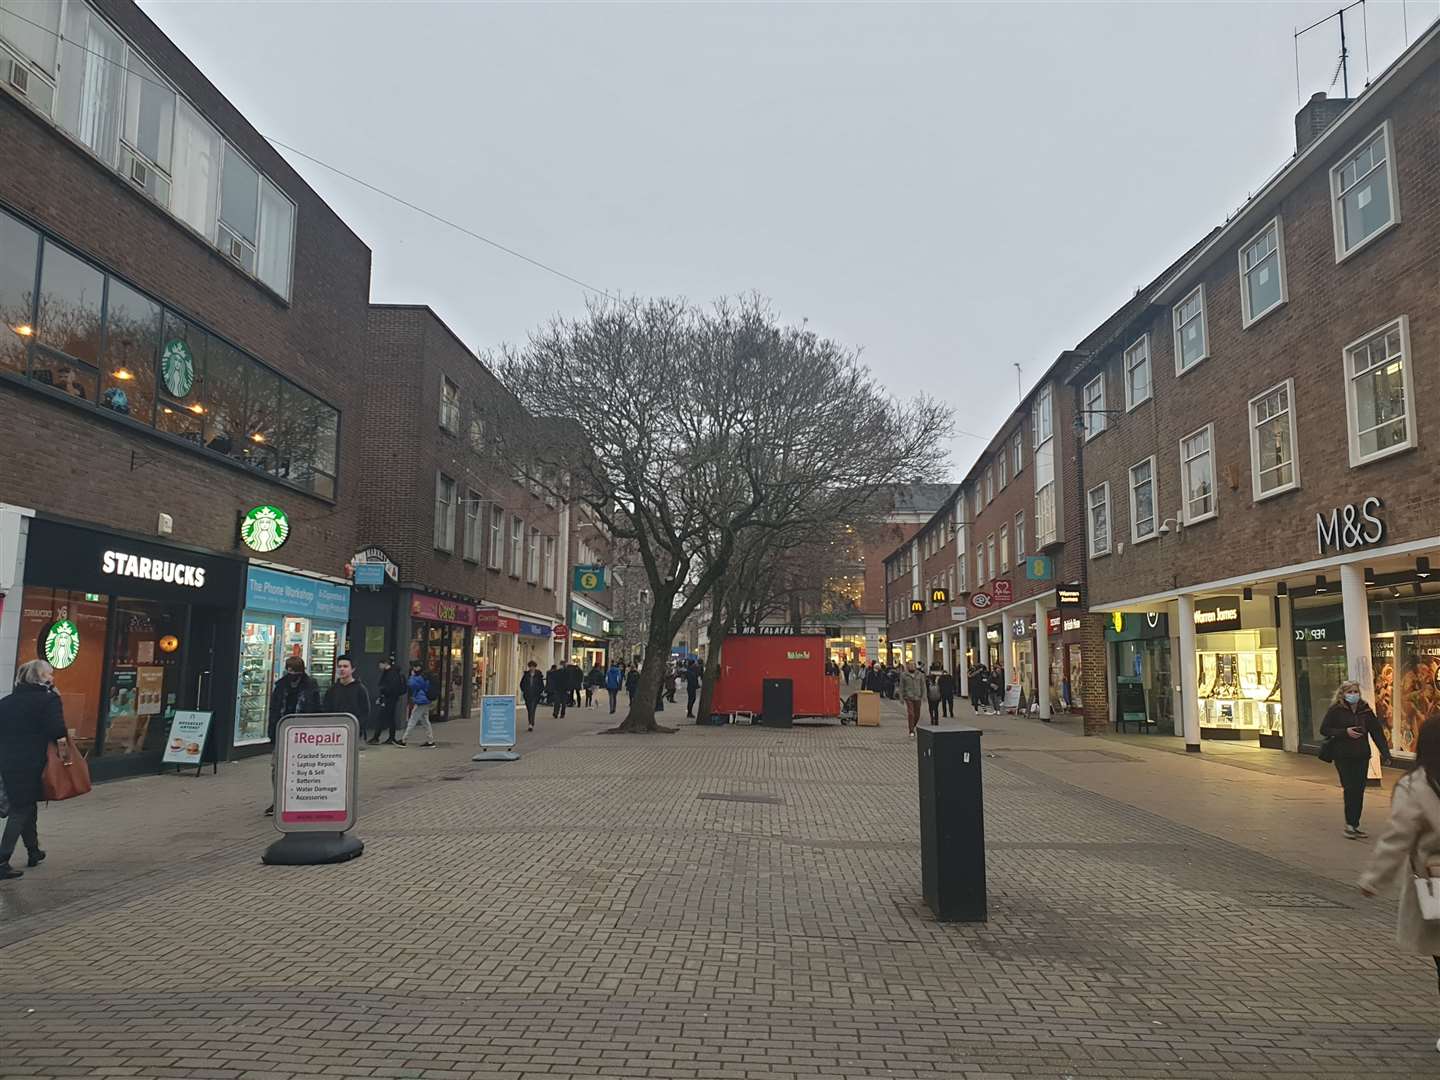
(1410, 844)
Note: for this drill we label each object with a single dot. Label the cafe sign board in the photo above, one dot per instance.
(316, 772)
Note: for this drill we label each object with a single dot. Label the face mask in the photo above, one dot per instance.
(1351, 699)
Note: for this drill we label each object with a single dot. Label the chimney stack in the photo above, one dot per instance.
(1317, 115)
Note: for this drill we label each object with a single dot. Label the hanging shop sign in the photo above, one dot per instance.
(1017, 627)
(1039, 568)
(588, 579)
(264, 528)
(1350, 526)
(1070, 595)
(981, 600)
(437, 609)
(917, 607)
(375, 556)
(939, 597)
(1057, 623)
(1218, 613)
(369, 575)
(959, 613)
(560, 632)
(1002, 591)
(62, 644)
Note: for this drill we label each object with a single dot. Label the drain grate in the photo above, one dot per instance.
(1294, 900)
(721, 796)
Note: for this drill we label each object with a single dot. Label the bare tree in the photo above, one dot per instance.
(688, 428)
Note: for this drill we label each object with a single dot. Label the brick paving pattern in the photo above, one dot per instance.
(723, 903)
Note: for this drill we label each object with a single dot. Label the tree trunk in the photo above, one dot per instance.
(712, 662)
(641, 716)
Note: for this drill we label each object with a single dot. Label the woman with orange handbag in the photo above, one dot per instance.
(31, 719)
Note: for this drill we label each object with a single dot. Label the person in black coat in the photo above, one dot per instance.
(632, 683)
(947, 694)
(1350, 725)
(389, 692)
(557, 688)
(692, 686)
(294, 692)
(532, 689)
(574, 681)
(31, 719)
(594, 680)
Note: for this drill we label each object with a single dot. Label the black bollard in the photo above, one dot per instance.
(952, 823)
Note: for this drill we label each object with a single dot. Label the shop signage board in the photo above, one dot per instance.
(1354, 525)
(185, 744)
(1217, 613)
(583, 619)
(959, 613)
(590, 578)
(560, 631)
(497, 721)
(939, 597)
(1017, 627)
(375, 556)
(85, 560)
(1039, 568)
(291, 594)
(490, 621)
(264, 528)
(438, 609)
(980, 600)
(316, 772)
(1070, 595)
(62, 644)
(1137, 626)
(177, 368)
(369, 575)
(1002, 591)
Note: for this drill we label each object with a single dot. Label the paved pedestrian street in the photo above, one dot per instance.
(722, 903)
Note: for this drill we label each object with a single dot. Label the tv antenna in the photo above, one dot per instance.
(1019, 383)
(1342, 67)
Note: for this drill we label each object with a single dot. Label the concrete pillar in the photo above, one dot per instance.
(1007, 648)
(1356, 605)
(1289, 692)
(1189, 675)
(945, 648)
(963, 662)
(1042, 659)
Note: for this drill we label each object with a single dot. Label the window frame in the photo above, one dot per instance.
(1093, 412)
(1131, 402)
(1392, 183)
(549, 557)
(496, 555)
(1004, 534)
(532, 557)
(441, 479)
(1208, 430)
(1002, 479)
(1019, 533)
(1017, 451)
(1407, 374)
(1249, 318)
(1135, 537)
(517, 546)
(1256, 494)
(1176, 328)
(449, 405)
(1096, 552)
(471, 543)
(992, 556)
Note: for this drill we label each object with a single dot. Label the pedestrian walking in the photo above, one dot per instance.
(389, 691)
(932, 695)
(1412, 841)
(692, 686)
(845, 671)
(532, 689)
(593, 681)
(912, 689)
(347, 694)
(556, 690)
(947, 694)
(574, 682)
(294, 693)
(419, 686)
(979, 688)
(31, 718)
(997, 689)
(632, 683)
(614, 680)
(1348, 729)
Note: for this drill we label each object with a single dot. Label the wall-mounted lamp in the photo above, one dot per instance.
(1422, 567)
(1369, 575)
(1248, 593)
(1281, 589)
(1320, 584)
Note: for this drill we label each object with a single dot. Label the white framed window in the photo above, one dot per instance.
(532, 571)
(1019, 537)
(1142, 501)
(1017, 451)
(1004, 549)
(449, 406)
(978, 503)
(1197, 474)
(1093, 397)
(1192, 343)
(1379, 393)
(517, 546)
(497, 538)
(1098, 501)
(477, 431)
(444, 512)
(1001, 477)
(1137, 372)
(472, 525)
(980, 578)
(1273, 468)
(1364, 200)
(550, 562)
(991, 553)
(962, 560)
(989, 484)
(1047, 525)
(1040, 418)
(1262, 273)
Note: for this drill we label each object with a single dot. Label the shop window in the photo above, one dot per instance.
(1098, 499)
(1137, 372)
(143, 678)
(72, 297)
(1191, 340)
(1365, 202)
(1197, 471)
(1262, 274)
(132, 343)
(1142, 501)
(19, 256)
(444, 512)
(1272, 442)
(71, 631)
(1379, 398)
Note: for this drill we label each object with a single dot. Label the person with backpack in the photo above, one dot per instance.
(614, 680)
(419, 686)
(594, 679)
(1350, 725)
(1411, 844)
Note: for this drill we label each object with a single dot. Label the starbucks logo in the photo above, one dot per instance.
(264, 528)
(177, 368)
(62, 644)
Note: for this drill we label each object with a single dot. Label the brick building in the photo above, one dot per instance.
(1260, 486)
(181, 323)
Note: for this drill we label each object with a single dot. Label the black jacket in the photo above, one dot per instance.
(30, 720)
(532, 686)
(692, 678)
(1339, 717)
(556, 682)
(574, 677)
(354, 699)
(632, 681)
(947, 684)
(301, 696)
(391, 687)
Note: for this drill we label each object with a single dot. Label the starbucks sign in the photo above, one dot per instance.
(62, 644)
(177, 368)
(264, 528)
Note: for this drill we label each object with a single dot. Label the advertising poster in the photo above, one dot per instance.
(120, 714)
(150, 687)
(186, 743)
(497, 721)
(315, 776)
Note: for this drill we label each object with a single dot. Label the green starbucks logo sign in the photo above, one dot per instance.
(264, 528)
(177, 368)
(62, 644)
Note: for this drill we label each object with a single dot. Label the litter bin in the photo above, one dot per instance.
(952, 823)
(867, 708)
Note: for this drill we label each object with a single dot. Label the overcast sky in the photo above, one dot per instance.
(953, 189)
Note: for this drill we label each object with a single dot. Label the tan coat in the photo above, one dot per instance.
(1410, 844)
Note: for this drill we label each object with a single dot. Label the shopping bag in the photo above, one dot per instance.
(64, 779)
(1427, 891)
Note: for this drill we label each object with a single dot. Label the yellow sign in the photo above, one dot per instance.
(1117, 620)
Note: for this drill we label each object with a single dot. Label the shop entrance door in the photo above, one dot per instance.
(443, 654)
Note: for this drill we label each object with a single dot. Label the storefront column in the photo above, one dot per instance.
(981, 650)
(1189, 675)
(1007, 648)
(1042, 659)
(963, 681)
(1289, 693)
(945, 648)
(1356, 604)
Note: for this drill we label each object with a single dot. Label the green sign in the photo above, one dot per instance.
(177, 368)
(374, 639)
(264, 528)
(588, 579)
(62, 644)
(1039, 568)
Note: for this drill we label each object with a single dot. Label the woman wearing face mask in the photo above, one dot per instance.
(1348, 727)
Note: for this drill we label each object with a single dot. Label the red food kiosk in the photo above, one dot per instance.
(747, 660)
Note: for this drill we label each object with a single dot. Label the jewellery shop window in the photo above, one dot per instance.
(1239, 675)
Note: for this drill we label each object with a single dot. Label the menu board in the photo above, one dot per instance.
(186, 743)
(1382, 655)
(1407, 685)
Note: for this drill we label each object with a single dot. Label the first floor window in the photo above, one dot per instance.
(1137, 372)
(472, 526)
(1142, 500)
(1272, 442)
(1378, 393)
(1004, 548)
(532, 573)
(549, 562)
(444, 512)
(1197, 469)
(497, 538)
(990, 555)
(517, 546)
(1099, 499)
(1019, 537)
(1094, 398)
(1190, 343)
